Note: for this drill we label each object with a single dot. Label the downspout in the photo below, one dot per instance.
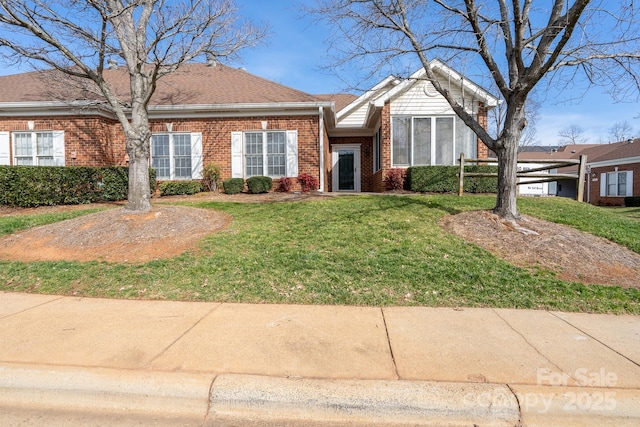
(321, 140)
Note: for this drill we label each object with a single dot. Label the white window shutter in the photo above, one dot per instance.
(58, 148)
(196, 156)
(292, 153)
(236, 155)
(603, 184)
(630, 183)
(5, 143)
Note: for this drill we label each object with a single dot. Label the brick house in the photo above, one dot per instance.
(248, 126)
(614, 173)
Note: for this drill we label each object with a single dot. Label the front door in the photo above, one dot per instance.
(346, 168)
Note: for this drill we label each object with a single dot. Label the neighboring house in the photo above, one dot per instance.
(561, 188)
(248, 126)
(614, 173)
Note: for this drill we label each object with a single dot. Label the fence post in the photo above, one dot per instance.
(461, 176)
(581, 171)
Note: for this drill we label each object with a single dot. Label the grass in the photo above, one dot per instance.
(365, 250)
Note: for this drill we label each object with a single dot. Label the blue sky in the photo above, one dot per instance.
(296, 50)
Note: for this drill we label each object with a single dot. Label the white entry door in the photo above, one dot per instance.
(346, 168)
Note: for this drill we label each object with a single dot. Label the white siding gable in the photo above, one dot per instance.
(356, 118)
(422, 99)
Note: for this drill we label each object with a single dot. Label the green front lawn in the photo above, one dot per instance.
(364, 250)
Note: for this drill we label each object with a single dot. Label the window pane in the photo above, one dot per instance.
(401, 127)
(276, 142)
(622, 184)
(422, 141)
(160, 156)
(612, 184)
(23, 144)
(182, 155)
(465, 140)
(253, 159)
(444, 141)
(45, 161)
(377, 152)
(24, 161)
(276, 158)
(44, 142)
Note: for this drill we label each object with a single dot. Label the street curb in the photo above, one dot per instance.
(255, 400)
(103, 389)
(578, 406)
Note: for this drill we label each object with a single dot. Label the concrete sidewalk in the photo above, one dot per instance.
(180, 363)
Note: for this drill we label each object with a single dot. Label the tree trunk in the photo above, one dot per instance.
(139, 197)
(507, 189)
(138, 148)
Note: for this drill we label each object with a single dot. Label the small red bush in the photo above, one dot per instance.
(284, 185)
(395, 179)
(307, 182)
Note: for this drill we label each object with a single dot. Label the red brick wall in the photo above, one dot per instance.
(594, 190)
(95, 141)
(216, 137)
(98, 141)
(483, 120)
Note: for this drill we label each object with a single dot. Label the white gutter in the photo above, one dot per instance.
(321, 138)
(615, 162)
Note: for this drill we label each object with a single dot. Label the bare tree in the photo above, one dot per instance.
(532, 113)
(152, 37)
(514, 44)
(572, 134)
(620, 131)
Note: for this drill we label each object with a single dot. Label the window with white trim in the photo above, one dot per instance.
(265, 154)
(617, 184)
(177, 156)
(33, 148)
(430, 141)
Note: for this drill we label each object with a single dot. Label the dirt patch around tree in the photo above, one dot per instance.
(116, 235)
(573, 255)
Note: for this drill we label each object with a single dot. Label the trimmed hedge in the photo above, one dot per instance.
(175, 188)
(233, 185)
(31, 186)
(632, 202)
(259, 184)
(444, 179)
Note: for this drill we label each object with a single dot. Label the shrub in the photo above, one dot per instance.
(30, 186)
(632, 202)
(174, 188)
(444, 179)
(259, 184)
(284, 185)
(233, 185)
(211, 177)
(307, 182)
(395, 179)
